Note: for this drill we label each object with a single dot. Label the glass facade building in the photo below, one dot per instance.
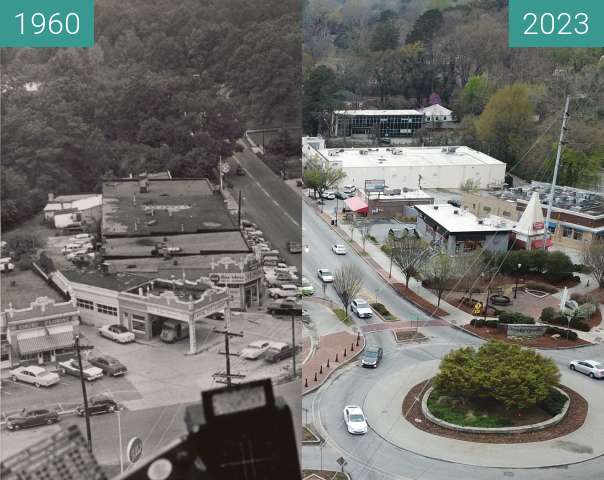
(377, 123)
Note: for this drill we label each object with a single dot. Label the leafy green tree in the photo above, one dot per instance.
(506, 125)
(475, 95)
(385, 36)
(516, 377)
(321, 177)
(320, 88)
(425, 27)
(577, 168)
(558, 265)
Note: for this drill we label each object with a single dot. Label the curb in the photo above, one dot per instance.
(460, 327)
(340, 365)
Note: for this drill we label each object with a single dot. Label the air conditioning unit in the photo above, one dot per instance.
(455, 212)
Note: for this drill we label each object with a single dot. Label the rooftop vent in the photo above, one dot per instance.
(435, 207)
(456, 212)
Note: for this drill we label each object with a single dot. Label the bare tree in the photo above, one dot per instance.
(347, 282)
(439, 272)
(409, 254)
(474, 265)
(364, 228)
(593, 257)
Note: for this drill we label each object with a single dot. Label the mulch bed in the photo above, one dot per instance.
(595, 319)
(420, 302)
(574, 419)
(540, 342)
(409, 335)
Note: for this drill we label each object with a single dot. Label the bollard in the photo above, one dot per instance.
(337, 358)
(306, 383)
(321, 370)
(315, 376)
(352, 347)
(358, 338)
(328, 363)
(344, 352)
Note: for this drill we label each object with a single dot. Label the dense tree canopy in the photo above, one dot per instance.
(168, 85)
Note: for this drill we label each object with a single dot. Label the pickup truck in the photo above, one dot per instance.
(284, 307)
(294, 247)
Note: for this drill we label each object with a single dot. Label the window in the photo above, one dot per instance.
(139, 325)
(506, 214)
(567, 232)
(86, 304)
(578, 235)
(486, 209)
(106, 309)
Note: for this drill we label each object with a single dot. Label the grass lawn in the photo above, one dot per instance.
(488, 413)
(341, 314)
(384, 312)
(22, 287)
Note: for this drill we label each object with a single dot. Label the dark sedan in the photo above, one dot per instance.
(97, 406)
(32, 418)
(111, 366)
(371, 357)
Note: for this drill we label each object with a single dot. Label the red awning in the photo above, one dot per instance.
(539, 243)
(357, 205)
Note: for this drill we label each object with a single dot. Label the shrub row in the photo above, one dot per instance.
(380, 308)
(549, 315)
(481, 322)
(563, 332)
(554, 402)
(515, 318)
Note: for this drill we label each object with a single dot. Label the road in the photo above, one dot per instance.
(155, 426)
(269, 202)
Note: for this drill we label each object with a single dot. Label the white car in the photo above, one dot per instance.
(338, 249)
(361, 308)
(591, 368)
(325, 275)
(72, 367)
(255, 350)
(78, 253)
(117, 333)
(37, 376)
(328, 195)
(349, 189)
(287, 290)
(355, 420)
(81, 237)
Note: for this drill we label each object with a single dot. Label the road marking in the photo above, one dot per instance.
(295, 222)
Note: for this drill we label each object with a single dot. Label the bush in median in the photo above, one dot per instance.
(515, 318)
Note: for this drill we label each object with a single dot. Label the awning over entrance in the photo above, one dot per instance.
(356, 205)
(45, 343)
(539, 243)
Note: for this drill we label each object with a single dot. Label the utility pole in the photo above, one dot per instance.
(553, 186)
(86, 413)
(294, 343)
(227, 334)
(239, 211)
(220, 171)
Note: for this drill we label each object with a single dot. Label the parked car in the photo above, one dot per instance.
(361, 308)
(37, 376)
(32, 418)
(355, 420)
(294, 246)
(590, 368)
(327, 195)
(372, 356)
(71, 247)
(455, 203)
(306, 288)
(288, 306)
(216, 316)
(341, 195)
(280, 351)
(98, 405)
(81, 237)
(117, 333)
(255, 349)
(325, 275)
(338, 249)
(6, 265)
(71, 367)
(287, 290)
(111, 366)
(349, 189)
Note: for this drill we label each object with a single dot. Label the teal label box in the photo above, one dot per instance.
(556, 23)
(46, 23)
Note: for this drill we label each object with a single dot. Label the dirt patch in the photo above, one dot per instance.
(409, 336)
(574, 418)
(540, 342)
(420, 302)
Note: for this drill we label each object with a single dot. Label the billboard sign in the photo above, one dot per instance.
(375, 185)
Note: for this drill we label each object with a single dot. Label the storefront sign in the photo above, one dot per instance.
(210, 309)
(164, 312)
(538, 226)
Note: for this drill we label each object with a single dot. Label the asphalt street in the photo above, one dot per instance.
(269, 202)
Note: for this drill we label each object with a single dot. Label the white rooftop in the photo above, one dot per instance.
(377, 112)
(463, 220)
(410, 194)
(407, 157)
(436, 109)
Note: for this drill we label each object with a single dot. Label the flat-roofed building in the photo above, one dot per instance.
(42, 333)
(414, 167)
(377, 123)
(393, 203)
(458, 231)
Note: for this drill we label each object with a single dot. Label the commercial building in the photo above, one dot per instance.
(414, 167)
(390, 203)
(67, 211)
(457, 231)
(529, 232)
(577, 216)
(41, 333)
(376, 123)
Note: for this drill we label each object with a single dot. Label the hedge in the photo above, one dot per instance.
(477, 322)
(554, 402)
(491, 323)
(563, 332)
(515, 318)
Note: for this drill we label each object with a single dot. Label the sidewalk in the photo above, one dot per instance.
(331, 352)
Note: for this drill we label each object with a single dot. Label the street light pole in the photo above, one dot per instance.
(517, 277)
(86, 413)
(119, 433)
(294, 343)
(391, 255)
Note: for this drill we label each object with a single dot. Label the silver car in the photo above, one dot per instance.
(590, 368)
(37, 376)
